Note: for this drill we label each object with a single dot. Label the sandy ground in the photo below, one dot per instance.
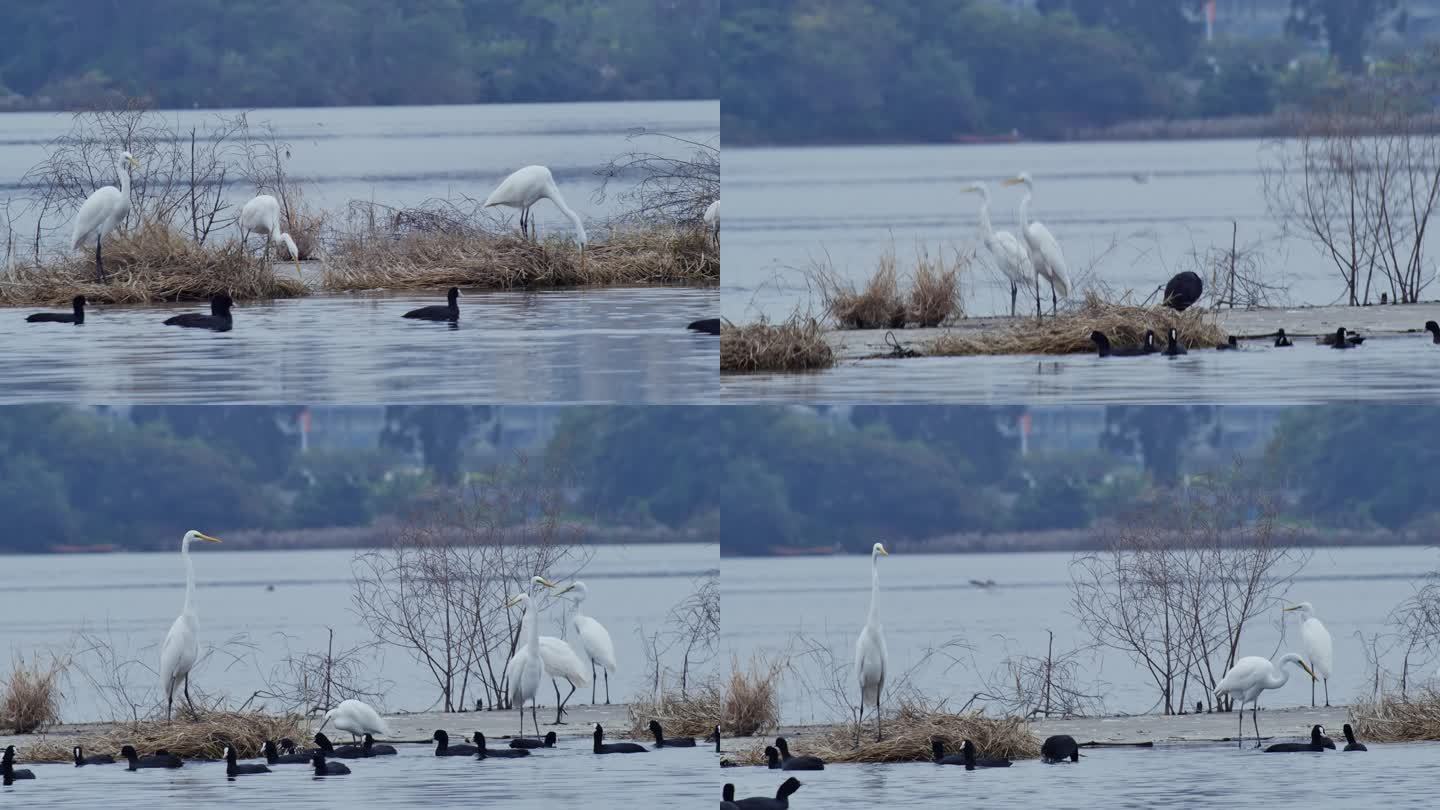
(856, 344)
(1189, 728)
(579, 722)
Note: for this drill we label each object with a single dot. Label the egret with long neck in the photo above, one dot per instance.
(182, 644)
(103, 211)
(1044, 249)
(1251, 676)
(1011, 257)
(870, 656)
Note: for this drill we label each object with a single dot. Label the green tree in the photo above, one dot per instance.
(1167, 31)
(1347, 26)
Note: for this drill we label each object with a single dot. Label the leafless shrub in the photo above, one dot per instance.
(1049, 686)
(438, 591)
(1234, 275)
(311, 681)
(31, 697)
(1176, 584)
(669, 189)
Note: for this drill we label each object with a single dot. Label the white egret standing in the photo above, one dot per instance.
(357, 717)
(182, 644)
(1045, 251)
(1319, 650)
(712, 220)
(1012, 257)
(595, 640)
(103, 211)
(1249, 677)
(558, 659)
(525, 667)
(530, 185)
(871, 659)
(262, 215)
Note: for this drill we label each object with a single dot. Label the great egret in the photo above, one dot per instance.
(530, 185)
(780, 802)
(1045, 251)
(526, 667)
(262, 215)
(602, 747)
(1350, 743)
(712, 220)
(1173, 346)
(484, 752)
(789, 763)
(75, 316)
(1011, 257)
(1183, 290)
(1281, 340)
(1319, 649)
(1249, 677)
(182, 644)
(1058, 748)
(78, 754)
(153, 761)
(595, 640)
(357, 717)
(219, 319)
(560, 660)
(103, 211)
(234, 769)
(449, 312)
(871, 659)
(323, 768)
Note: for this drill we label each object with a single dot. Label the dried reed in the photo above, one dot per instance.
(692, 715)
(31, 700)
(797, 344)
(205, 736)
(1393, 719)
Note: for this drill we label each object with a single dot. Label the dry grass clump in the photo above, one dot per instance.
(205, 736)
(1069, 332)
(151, 263)
(305, 225)
(878, 306)
(932, 299)
(693, 714)
(1391, 719)
(752, 698)
(471, 257)
(796, 344)
(31, 700)
(935, 294)
(908, 735)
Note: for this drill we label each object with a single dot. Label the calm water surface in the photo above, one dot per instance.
(785, 207)
(568, 775)
(1397, 369)
(132, 599)
(1166, 776)
(593, 345)
(926, 601)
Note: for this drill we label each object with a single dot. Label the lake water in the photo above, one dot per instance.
(562, 346)
(1386, 368)
(926, 601)
(592, 345)
(785, 207)
(132, 598)
(567, 775)
(1166, 776)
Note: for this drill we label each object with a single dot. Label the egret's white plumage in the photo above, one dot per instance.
(526, 666)
(357, 717)
(561, 661)
(262, 215)
(871, 659)
(1249, 677)
(530, 185)
(103, 211)
(1319, 649)
(595, 643)
(712, 219)
(1044, 249)
(182, 644)
(1012, 257)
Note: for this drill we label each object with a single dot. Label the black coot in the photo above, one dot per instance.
(448, 312)
(1059, 748)
(780, 802)
(98, 759)
(323, 768)
(523, 742)
(77, 316)
(674, 742)
(156, 760)
(218, 320)
(790, 763)
(483, 752)
(233, 768)
(711, 326)
(602, 747)
(1182, 290)
(443, 748)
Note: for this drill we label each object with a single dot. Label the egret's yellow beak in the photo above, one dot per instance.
(513, 601)
(134, 164)
(207, 538)
(1292, 607)
(1014, 181)
(547, 583)
(566, 589)
(1307, 669)
(883, 552)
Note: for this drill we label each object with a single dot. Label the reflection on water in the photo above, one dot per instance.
(601, 345)
(1397, 369)
(566, 776)
(926, 601)
(1167, 776)
(851, 204)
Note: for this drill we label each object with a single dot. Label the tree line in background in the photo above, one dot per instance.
(75, 476)
(792, 479)
(267, 53)
(932, 70)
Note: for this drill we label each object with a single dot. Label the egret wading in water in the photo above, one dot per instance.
(528, 186)
(1044, 249)
(1319, 650)
(103, 211)
(182, 644)
(595, 643)
(1249, 677)
(262, 215)
(871, 659)
(1010, 256)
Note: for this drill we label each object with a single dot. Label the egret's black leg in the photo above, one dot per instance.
(607, 687)
(1312, 692)
(1327, 693)
(1014, 291)
(879, 728)
(99, 263)
(1240, 734)
(594, 682)
(566, 701)
(533, 721)
(559, 707)
(1255, 718)
(1054, 302)
(188, 701)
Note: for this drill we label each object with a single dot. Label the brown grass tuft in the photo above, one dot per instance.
(878, 306)
(1069, 332)
(305, 225)
(908, 738)
(151, 263)
(1392, 719)
(693, 715)
(31, 700)
(797, 344)
(752, 698)
(203, 737)
(471, 257)
(935, 295)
